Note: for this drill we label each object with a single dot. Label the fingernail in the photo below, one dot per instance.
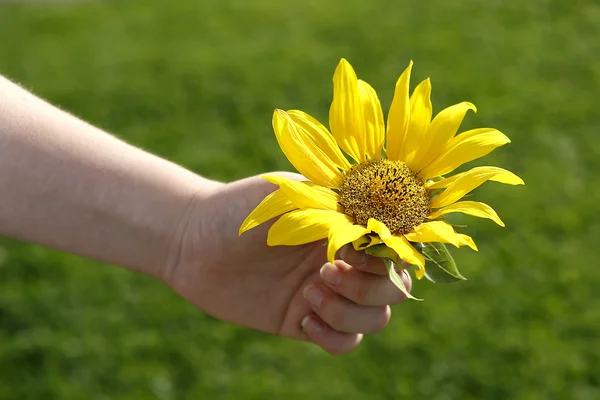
(309, 324)
(354, 257)
(331, 274)
(313, 295)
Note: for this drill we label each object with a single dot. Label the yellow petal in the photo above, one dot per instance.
(398, 117)
(434, 231)
(300, 227)
(467, 181)
(373, 118)
(304, 152)
(463, 148)
(474, 208)
(341, 233)
(271, 206)
(467, 241)
(501, 176)
(443, 127)
(365, 242)
(318, 134)
(345, 114)
(400, 245)
(306, 226)
(420, 118)
(326, 192)
(303, 195)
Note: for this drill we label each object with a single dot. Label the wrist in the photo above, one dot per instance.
(177, 235)
(207, 239)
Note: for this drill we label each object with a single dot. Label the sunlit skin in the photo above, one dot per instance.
(70, 186)
(267, 288)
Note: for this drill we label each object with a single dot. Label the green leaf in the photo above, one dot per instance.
(382, 251)
(390, 258)
(440, 266)
(396, 279)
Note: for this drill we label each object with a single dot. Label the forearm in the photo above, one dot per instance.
(67, 185)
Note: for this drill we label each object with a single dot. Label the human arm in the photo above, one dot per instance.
(67, 185)
(70, 186)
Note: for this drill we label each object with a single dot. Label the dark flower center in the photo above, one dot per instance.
(387, 191)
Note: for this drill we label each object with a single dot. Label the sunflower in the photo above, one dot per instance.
(391, 193)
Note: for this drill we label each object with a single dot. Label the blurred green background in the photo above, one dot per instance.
(196, 82)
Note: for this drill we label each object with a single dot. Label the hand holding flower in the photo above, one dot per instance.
(393, 194)
(288, 291)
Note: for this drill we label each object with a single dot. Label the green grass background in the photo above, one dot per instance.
(196, 82)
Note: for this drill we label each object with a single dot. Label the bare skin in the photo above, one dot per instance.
(70, 186)
(242, 280)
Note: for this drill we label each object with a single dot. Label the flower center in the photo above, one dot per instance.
(387, 191)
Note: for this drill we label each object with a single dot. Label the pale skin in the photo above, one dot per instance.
(70, 186)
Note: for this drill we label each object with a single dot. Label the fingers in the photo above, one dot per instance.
(361, 287)
(344, 315)
(352, 299)
(332, 341)
(362, 261)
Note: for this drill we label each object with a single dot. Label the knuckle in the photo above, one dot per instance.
(326, 299)
(360, 293)
(336, 319)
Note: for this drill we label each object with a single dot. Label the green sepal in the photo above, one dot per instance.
(440, 266)
(391, 259)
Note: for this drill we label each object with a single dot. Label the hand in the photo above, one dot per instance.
(288, 291)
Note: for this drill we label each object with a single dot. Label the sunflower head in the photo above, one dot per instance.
(387, 191)
(392, 198)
